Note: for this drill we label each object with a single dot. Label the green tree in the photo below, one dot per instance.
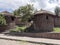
(17, 12)
(2, 20)
(57, 11)
(25, 12)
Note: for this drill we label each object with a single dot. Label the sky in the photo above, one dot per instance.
(11, 5)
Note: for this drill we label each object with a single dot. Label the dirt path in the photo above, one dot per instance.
(11, 42)
(7, 40)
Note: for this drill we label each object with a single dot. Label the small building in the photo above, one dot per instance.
(43, 21)
(57, 21)
(8, 16)
(9, 19)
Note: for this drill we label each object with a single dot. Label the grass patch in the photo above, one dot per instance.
(56, 29)
(18, 29)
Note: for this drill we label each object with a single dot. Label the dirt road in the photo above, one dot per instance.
(12, 42)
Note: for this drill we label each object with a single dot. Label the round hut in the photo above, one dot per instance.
(43, 21)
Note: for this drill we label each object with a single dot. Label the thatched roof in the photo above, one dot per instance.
(6, 13)
(44, 12)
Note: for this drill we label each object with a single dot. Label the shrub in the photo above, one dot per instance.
(18, 29)
(2, 20)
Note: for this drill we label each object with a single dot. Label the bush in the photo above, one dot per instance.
(18, 29)
(2, 20)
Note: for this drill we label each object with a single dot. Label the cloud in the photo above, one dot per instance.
(11, 5)
(45, 4)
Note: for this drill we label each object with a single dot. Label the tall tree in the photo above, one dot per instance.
(25, 12)
(16, 12)
(57, 11)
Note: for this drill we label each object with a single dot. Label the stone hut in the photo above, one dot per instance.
(43, 21)
(9, 18)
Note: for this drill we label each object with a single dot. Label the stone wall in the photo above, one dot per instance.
(39, 35)
(3, 28)
(17, 20)
(42, 24)
(57, 22)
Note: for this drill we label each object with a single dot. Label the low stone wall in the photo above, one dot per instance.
(3, 28)
(39, 35)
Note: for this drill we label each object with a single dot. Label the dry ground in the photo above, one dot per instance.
(12, 42)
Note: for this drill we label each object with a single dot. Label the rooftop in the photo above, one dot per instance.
(44, 12)
(6, 13)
